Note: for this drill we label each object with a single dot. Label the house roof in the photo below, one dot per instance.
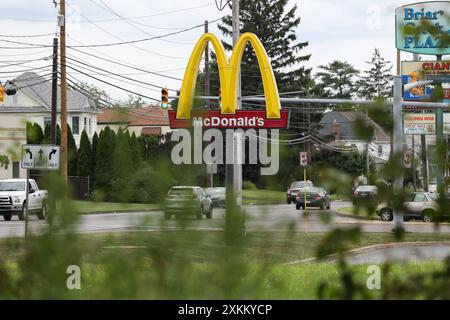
(346, 121)
(40, 89)
(146, 116)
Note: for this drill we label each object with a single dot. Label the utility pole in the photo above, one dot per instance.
(233, 171)
(207, 65)
(54, 90)
(62, 32)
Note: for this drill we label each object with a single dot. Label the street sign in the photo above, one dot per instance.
(303, 159)
(414, 71)
(408, 21)
(419, 123)
(40, 157)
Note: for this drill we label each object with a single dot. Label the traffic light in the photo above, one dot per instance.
(2, 93)
(164, 98)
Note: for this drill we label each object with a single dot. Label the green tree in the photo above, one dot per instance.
(84, 163)
(34, 133)
(104, 160)
(71, 153)
(134, 101)
(135, 150)
(99, 96)
(94, 157)
(376, 82)
(338, 79)
(122, 169)
(275, 24)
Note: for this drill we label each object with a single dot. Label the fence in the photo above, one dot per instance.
(79, 186)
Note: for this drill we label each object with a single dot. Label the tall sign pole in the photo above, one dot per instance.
(54, 90)
(439, 143)
(397, 142)
(62, 23)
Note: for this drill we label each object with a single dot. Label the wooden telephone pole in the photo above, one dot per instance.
(62, 24)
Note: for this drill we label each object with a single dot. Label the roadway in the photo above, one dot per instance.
(267, 217)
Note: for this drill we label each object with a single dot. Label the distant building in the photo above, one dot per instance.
(147, 121)
(32, 103)
(341, 127)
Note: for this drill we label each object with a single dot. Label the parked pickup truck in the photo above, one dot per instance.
(13, 195)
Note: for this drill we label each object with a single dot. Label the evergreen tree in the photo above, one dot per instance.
(34, 133)
(122, 169)
(94, 157)
(376, 82)
(84, 163)
(134, 147)
(276, 26)
(71, 153)
(104, 159)
(338, 79)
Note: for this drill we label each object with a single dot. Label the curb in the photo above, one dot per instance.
(346, 215)
(120, 211)
(372, 248)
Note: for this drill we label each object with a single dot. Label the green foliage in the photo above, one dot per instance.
(338, 79)
(94, 157)
(135, 150)
(4, 161)
(377, 81)
(275, 24)
(72, 155)
(248, 185)
(104, 160)
(84, 165)
(122, 168)
(34, 133)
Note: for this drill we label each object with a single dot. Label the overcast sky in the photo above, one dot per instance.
(347, 30)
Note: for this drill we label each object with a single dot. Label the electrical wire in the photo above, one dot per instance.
(26, 70)
(113, 85)
(115, 74)
(125, 65)
(27, 36)
(131, 44)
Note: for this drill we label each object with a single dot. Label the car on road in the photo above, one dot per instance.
(421, 205)
(294, 188)
(217, 196)
(188, 200)
(13, 199)
(315, 197)
(365, 194)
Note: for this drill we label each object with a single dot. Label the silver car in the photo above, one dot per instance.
(187, 200)
(217, 196)
(421, 205)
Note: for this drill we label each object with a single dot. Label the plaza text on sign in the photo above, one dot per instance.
(409, 19)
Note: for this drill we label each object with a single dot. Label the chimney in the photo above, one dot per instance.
(336, 130)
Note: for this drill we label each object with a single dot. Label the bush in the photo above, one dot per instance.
(248, 185)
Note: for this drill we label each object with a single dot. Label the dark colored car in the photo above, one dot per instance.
(365, 194)
(315, 197)
(295, 187)
(187, 200)
(421, 205)
(217, 196)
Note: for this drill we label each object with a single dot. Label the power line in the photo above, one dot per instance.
(125, 65)
(118, 75)
(28, 36)
(107, 8)
(131, 44)
(26, 70)
(113, 85)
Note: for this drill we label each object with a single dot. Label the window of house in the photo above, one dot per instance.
(16, 170)
(85, 125)
(15, 99)
(90, 128)
(380, 150)
(76, 125)
(47, 121)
